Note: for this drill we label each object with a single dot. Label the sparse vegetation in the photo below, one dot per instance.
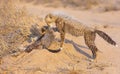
(16, 30)
(80, 4)
(15, 25)
(108, 5)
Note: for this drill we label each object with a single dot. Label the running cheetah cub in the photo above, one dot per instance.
(67, 24)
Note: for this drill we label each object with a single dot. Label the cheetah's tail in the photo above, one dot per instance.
(105, 37)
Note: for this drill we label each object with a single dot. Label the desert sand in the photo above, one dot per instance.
(75, 58)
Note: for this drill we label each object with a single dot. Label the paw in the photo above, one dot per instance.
(116, 45)
(94, 56)
(60, 48)
(91, 60)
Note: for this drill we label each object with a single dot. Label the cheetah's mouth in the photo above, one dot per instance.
(52, 25)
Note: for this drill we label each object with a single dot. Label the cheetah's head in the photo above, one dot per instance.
(50, 20)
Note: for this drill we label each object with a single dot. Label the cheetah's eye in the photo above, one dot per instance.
(51, 17)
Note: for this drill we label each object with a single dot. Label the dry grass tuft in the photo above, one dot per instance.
(100, 5)
(15, 25)
(80, 4)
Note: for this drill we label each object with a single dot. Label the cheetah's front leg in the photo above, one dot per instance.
(62, 35)
(61, 28)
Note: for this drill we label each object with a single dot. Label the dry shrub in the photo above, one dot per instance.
(110, 7)
(101, 5)
(15, 25)
(80, 4)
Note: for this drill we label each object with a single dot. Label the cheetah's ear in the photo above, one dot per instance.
(50, 15)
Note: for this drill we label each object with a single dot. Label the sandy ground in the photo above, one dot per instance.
(75, 57)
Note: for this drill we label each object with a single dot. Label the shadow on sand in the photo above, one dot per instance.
(77, 48)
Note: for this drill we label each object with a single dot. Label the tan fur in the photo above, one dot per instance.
(66, 24)
(45, 40)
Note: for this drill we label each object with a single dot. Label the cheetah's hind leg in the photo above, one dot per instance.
(89, 41)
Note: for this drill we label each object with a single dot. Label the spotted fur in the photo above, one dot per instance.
(66, 24)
